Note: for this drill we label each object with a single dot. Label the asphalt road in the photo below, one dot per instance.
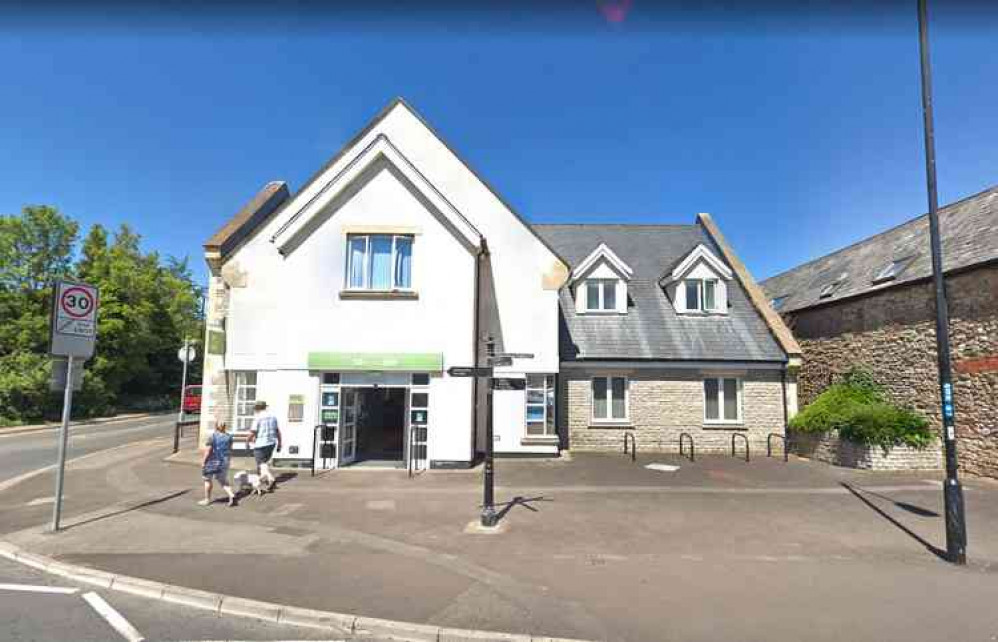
(22, 453)
(29, 613)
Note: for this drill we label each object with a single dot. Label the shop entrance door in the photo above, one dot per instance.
(348, 426)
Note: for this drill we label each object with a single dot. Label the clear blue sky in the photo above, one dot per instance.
(799, 133)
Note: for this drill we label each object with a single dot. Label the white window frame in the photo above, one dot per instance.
(610, 419)
(549, 392)
(368, 258)
(720, 420)
(601, 298)
(236, 401)
(698, 305)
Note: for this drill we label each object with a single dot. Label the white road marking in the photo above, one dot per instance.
(117, 622)
(42, 500)
(668, 468)
(35, 588)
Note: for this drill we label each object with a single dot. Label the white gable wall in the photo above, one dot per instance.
(290, 306)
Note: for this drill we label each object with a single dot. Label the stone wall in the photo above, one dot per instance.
(665, 403)
(892, 333)
(216, 394)
(831, 449)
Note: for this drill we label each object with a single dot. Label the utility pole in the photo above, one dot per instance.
(956, 527)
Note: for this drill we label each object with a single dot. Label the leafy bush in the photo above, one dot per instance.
(884, 425)
(856, 408)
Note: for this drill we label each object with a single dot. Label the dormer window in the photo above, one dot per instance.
(777, 302)
(698, 283)
(601, 295)
(600, 283)
(701, 295)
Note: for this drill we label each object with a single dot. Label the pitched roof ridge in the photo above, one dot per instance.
(894, 228)
(685, 225)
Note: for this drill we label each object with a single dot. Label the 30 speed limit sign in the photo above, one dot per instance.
(74, 319)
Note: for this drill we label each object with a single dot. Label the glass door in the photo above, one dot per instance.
(348, 426)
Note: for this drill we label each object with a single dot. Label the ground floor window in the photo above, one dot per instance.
(245, 400)
(722, 400)
(540, 405)
(610, 399)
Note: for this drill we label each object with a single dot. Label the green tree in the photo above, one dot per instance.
(35, 250)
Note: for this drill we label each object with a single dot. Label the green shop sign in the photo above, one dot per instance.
(376, 361)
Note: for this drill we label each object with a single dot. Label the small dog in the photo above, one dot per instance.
(245, 479)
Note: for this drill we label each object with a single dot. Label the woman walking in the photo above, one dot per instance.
(215, 464)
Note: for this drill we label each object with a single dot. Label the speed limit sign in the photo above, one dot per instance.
(74, 319)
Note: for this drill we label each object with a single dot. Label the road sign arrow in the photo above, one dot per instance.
(469, 371)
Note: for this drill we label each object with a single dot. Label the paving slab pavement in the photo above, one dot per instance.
(596, 547)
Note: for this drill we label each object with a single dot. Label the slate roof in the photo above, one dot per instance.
(651, 329)
(969, 230)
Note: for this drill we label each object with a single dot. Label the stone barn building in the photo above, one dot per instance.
(872, 304)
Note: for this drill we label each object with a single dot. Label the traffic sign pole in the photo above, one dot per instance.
(183, 381)
(67, 404)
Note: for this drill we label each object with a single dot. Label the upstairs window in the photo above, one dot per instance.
(601, 295)
(379, 262)
(701, 295)
(830, 288)
(777, 302)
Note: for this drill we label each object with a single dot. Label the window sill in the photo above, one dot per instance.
(610, 424)
(538, 440)
(603, 313)
(702, 313)
(379, 294)
(724, 425)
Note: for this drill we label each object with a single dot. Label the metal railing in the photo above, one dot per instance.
(634, 445)
(693, 456)
(178, 432)
(738, 434)
(786, 445)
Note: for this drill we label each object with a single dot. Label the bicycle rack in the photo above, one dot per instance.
(693, 456)
(738, 434)
(634, 445)
(769, 445)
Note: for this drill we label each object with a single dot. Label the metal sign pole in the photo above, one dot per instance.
(67, 404)
(956, 527)
(489, 517)
(183, 381)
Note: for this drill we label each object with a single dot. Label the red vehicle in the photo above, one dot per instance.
(192, 399)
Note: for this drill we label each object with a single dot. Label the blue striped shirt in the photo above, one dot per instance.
(265, 427)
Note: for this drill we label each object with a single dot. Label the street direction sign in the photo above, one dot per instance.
(74, 319)
(516, 355)
(500, 361)
(469, 371)
(191, 354)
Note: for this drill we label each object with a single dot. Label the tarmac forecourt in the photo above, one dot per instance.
(594, 547)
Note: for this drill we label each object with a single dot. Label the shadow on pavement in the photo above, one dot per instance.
(520, 501)
(145, 504)
(938, 552)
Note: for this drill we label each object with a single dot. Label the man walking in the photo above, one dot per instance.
(264, 437)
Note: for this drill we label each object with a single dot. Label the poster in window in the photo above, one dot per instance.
(330, 399)
(330, 415)
(419, 416)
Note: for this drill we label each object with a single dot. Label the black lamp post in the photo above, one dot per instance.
(956, 528)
